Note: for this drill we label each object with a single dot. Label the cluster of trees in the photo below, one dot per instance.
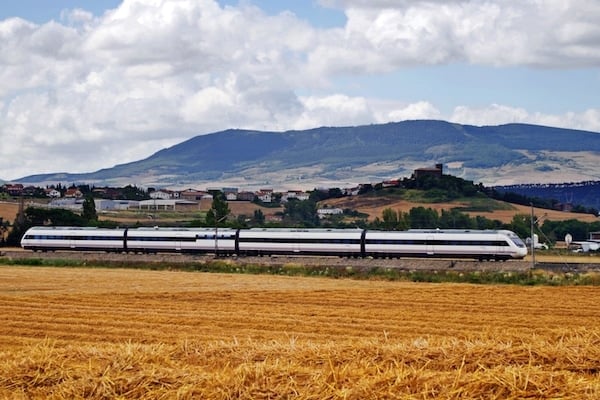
(426, 218)
(557, 230)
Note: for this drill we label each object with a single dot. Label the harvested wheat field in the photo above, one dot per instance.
(101, 333)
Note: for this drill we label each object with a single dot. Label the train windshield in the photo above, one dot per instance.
(516, 240)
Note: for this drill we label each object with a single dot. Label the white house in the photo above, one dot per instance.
(351, 191)
(161, 195)
(295, 194)
(169, 204)
(52, 193)
(326, 212)
(230, 196)
(266, 196)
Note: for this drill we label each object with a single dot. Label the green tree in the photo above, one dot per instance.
(218, 211)
(301, 212)
(130, 192)
(521, 225)
(259, 217)
(15, 234)
(3, 229)
(19, 228)
(52, 216)
(423, 218)
(558, 229)
(486, 223)
(89, 210)
(455, 219)
(393, 220)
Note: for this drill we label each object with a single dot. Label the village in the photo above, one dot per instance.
(110, 199)
(132, 198)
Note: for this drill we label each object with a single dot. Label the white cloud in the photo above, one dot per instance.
(419, 110)
(494, 114)
(554, 33)
(334, 110)
(497, 114)
(94, 91)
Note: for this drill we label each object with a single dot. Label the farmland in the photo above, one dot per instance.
(109, 333)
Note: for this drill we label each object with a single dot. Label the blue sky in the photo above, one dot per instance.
(41, 11)
(126, 78)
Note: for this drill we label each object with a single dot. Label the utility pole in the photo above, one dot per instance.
(532, 241)
(217, 232)
(533, 222)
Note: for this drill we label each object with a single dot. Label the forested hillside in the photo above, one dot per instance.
(583, 194)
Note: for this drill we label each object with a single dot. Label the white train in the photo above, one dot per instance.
(476, 244)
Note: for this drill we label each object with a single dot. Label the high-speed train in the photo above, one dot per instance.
(476, 244)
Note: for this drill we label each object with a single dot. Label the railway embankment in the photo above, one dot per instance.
(406, 264)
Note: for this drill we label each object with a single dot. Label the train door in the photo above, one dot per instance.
(499, 249)
(295, 245)
(178, 242)
(429, 245)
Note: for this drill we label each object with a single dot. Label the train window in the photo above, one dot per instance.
(412, 242)
(517, 240)
(396, 242)
(161, 239)
(224, 236)
(299, 240)
(77, 237)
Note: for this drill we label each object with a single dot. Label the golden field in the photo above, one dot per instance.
(102, 333)
(9, 210)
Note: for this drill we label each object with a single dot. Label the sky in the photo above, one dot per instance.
(86, 85)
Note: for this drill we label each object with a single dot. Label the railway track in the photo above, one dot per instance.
(550, 263)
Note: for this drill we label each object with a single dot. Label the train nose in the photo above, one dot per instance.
(522, 252)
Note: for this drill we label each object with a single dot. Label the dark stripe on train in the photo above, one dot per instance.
(431, 242)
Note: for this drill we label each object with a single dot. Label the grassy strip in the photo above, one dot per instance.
(529, 278)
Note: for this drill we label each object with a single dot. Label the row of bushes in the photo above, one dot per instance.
(533, 277)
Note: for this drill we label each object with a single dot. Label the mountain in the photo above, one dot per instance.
(340, 156)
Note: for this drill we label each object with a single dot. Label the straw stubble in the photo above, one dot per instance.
(93, 333)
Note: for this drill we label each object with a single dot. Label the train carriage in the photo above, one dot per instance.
(478, 244)
(331, 242)
(185, 240)
(49, 238)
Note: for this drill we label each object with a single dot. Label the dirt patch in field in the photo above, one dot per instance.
(8, 211)
(247, 208)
